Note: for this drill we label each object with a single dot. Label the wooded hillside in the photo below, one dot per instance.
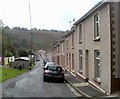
(20, 38)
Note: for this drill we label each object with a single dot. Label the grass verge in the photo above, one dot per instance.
(7, 73)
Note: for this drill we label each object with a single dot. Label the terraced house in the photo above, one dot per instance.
(91, 50)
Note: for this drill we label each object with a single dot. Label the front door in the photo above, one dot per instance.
(87, 63)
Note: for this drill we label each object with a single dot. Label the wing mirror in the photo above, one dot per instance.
(45, 68)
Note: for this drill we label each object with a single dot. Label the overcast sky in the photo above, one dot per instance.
(45, 14)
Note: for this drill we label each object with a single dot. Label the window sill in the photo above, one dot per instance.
(97, 81)
(81, 72)
(72, 71)
(97, 39)
(80, 42)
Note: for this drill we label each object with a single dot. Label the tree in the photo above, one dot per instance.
(16, 28)
(7, 46)
(22, 53)
(9, 54)
(1, 24)
(6, 27)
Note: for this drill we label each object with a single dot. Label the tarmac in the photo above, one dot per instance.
(86, 89)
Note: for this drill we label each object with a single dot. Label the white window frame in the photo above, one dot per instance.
(72, 40)
(96, 26)
(67, 44)
(80, 61)
(80, 33)
(62, 47)
(97, 65)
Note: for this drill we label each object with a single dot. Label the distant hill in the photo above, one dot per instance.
(42, 39)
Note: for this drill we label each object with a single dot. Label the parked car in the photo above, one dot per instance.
(45, 61)
(53, 73)
(38, 59)
(49, 64)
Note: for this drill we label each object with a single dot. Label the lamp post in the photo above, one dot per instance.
(30, 26)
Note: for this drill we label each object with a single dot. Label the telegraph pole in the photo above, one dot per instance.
(31, 35)
(30, 27)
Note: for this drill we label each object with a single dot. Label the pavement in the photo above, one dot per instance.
(86, 89)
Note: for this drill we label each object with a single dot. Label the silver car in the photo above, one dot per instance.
(49, 64)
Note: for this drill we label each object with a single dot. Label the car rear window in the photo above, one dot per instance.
(54, 68)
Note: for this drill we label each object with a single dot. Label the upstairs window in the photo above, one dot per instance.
(58, 49)
(67, 44)
(96, 26)
(73, 40)
(80, 33)
(62, 47)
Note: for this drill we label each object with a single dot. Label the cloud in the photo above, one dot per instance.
(47, 14)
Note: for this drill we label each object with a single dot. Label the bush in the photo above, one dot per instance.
(22, 53)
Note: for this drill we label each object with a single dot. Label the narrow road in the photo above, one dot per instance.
(31, 85)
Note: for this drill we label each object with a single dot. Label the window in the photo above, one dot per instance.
(72, 61)
(80, 32)
(80, 60)
(97, 64)
(54, 68)
(96, 26)
(67, 59)
(53, 58)
(58, 50)
(72, 40)
(67, 44)
(62, 45)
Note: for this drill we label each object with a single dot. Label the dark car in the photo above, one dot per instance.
(53, 73)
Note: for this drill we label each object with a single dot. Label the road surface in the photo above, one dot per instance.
(31, 85)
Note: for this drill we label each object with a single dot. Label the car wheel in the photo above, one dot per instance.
(62, 80)
(44, 79)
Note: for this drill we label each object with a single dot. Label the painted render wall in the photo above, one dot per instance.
(66, 52)
(61, 54)
(54, 55)
(89, 44)
(69, 52)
